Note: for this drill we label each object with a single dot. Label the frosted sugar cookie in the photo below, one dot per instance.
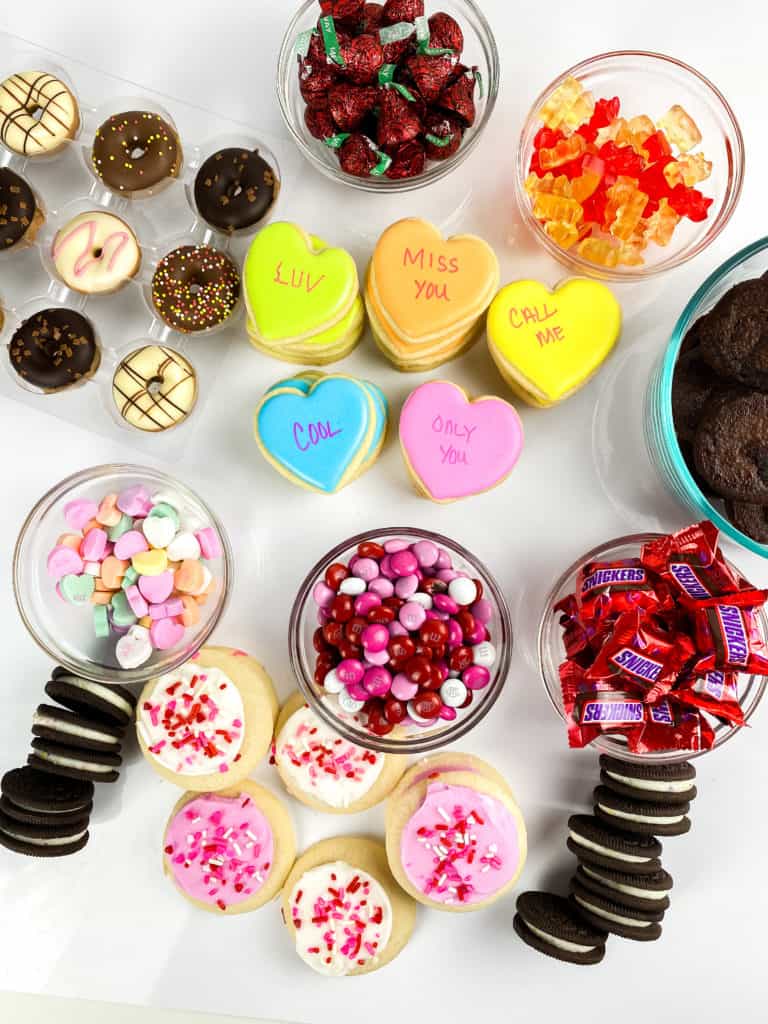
(456, 839)
(454, 447)
(229, 852)
(208, 724)
(343, 908)
(327, 772)
(95, 253)
(547, 344)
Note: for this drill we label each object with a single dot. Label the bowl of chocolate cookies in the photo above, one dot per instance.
(707, 404)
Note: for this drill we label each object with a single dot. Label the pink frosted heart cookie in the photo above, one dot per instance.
(455, 447)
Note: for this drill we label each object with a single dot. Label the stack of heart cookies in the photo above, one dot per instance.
(303, 297)
(322, 432)
(426, 295)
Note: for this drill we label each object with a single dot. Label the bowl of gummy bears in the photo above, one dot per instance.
(630, 163)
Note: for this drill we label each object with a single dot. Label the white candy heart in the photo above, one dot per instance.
(159, 530)
(184, 545)
(135, 648)
(169, 498)
(207, 577)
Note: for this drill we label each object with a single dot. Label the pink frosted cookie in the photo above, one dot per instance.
(229, 852)
(206, 725)
(456, 839)
(343, 908)
(455, 447)
(325, 771)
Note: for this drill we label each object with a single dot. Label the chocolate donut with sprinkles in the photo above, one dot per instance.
(195, 288)
(135, 151)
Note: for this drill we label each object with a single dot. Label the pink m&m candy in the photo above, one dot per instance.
(412, 615)
(377, 681)
(375, 638)
(476, 677)
(403, 563)
(350, 671)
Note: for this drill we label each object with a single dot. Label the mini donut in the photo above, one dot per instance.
(154, 388)
(235, 189)
(195, 287)
(55, 349)
(20, 215)
(136, 150)
(38, 113)
(95, 253)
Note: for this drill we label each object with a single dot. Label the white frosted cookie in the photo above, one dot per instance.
(325, 771)
(456, 839)
(343, 908)
(38, 113)
(95, 253)
(229, 852)
(154, 388)
(207, 725)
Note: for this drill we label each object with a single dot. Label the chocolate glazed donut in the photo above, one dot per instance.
(136, 150)
(54, 349)
(195, 287)
(235, 188)
(19, 214)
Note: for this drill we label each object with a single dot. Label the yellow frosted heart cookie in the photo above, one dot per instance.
(547, 344)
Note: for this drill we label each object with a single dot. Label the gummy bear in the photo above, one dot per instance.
(562, 233)
(631, 250)
(689, 202)
(548, 206)
(562, 152)
(629, 215)
(557, 105)
(662, 224)
(657, 147)
(585, 185)
(641, 127)
(604, 114)
(689, 169)
(680, 128)
(600, 251)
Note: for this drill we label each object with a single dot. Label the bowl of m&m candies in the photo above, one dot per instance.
(121, 573)
(630, 163)
(400, 640)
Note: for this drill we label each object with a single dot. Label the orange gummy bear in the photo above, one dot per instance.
(562, 233)
(689, 169)
(662, 224)
(548, 206)
(562, 152)
(600, 251)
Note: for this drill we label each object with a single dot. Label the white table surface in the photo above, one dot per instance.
(106, 926)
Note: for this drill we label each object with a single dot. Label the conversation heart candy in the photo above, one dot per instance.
(189, 577)
(166, 633)
(136, 600)
(134, 501)
(156, 588)
(130, 544)
(547, 344)
(134, 649)
(63, 561)
(184, 545)
(122, 611)
(159, 530)
(455, 448)
(208, 540)
(94, 545)
(79, 512)
(108, 513)
(122, 526)
(150, 563)
(77, 589)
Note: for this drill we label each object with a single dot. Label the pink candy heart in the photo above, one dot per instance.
(210, 546)
(94, 545)
(130, 544)
(64, 561)
(166, 633)
(156, 588)
(134, 501)
(79, 512)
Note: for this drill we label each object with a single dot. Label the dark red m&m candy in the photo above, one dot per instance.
(335, 575)
(427, 705)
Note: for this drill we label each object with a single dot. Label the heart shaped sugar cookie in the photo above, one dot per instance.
(547, 344)
(455, 447)
(422, 286)
(294, 285)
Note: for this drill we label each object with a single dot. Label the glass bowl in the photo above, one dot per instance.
(650, 83)
(659, 425)
(479, 51)
(552, 653)
(65, 631)
(406, 738)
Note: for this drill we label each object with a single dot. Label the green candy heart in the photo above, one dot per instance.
(116, 532)
(122, 613)
(101, 621)
(165, 511)
(130, 577)
(77, 589)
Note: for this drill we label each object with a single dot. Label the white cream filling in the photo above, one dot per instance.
(671, 786)
(629, 922)
(55, 841)
(48, 810)
(630, 890)
(105, 692)
(72, 730)
(606, 851)
(569, 947)
(657, 819)
(72, 762)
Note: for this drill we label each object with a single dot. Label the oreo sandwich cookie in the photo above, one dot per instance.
(657, 783)
(640, 816)
(113, 704)
(594, 842)
(74, 762)
(37, 818)
(66, 727)
(615, 916)
(57, 840)
(42, 793)
(643, 892)
(549, 924)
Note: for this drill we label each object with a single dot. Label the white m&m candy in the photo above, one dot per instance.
(463, 590)
(453, 693)
(484, 654)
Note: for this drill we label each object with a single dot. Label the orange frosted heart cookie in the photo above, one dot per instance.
(425, 294)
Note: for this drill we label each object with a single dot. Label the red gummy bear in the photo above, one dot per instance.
(605, 113)
(348, 104)
(445, 33)
(689, 202)
(459, 97)
(442, 125)
(657, 147)
(402, 10)
(430, 74)
(408, 160)
(621, 160)
(398, 121)
(363, 57)
(357, 156)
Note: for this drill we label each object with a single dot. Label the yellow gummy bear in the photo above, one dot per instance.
(662, 224)
(680, 128)
(560, 101)
(561, 233)
(600, 251)
(641, 127)
(548, 206)
(689, 169)
(560, 185)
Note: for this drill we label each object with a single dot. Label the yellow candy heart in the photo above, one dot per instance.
(150, 563)
(548, 344)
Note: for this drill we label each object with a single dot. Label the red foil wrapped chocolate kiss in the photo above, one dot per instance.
(363, 57)
(402, 10)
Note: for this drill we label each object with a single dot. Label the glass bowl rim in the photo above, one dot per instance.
(387, 186)
(44, 505)
(604, 744)
(633, 274)
(417, 744)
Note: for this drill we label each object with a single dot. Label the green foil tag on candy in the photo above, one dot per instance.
(396, 33)
(436, 140)
(303, 41)
(336, 141)
(422, 38)
(387, 79)
(381, 168)
(331, 40)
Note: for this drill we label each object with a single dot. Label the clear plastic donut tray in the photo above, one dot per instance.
(162, 219)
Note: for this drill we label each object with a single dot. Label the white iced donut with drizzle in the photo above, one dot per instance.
(96, 252)
(38, 113)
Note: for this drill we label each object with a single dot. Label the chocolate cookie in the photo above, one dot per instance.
(97, 702)
(551, 925)
(20, 217)
(56, 840)
(731, 447)
(641, 817)
(693, 384)
(74, 762)
(235, 189)
(615, 916)
(66, 727)
(644, 892)
(594, 842)
(54, 349)
(750, 519)
(656, 783)
(40, 793)
(734, 337)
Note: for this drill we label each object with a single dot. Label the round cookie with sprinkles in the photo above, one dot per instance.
(112, 704)
(49, 840)
(206, 726)
(229, 852)
(658, 783)
(594, 842)
(551, 925)
(641, 816)
(74, 762)
(344, 910)
(644, 892)
(325, 771)
(65, 727)
(615, 916)
(195, 288)
(37, 797)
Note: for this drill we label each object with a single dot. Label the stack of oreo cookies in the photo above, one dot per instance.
(45, 806)
(620, 886)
